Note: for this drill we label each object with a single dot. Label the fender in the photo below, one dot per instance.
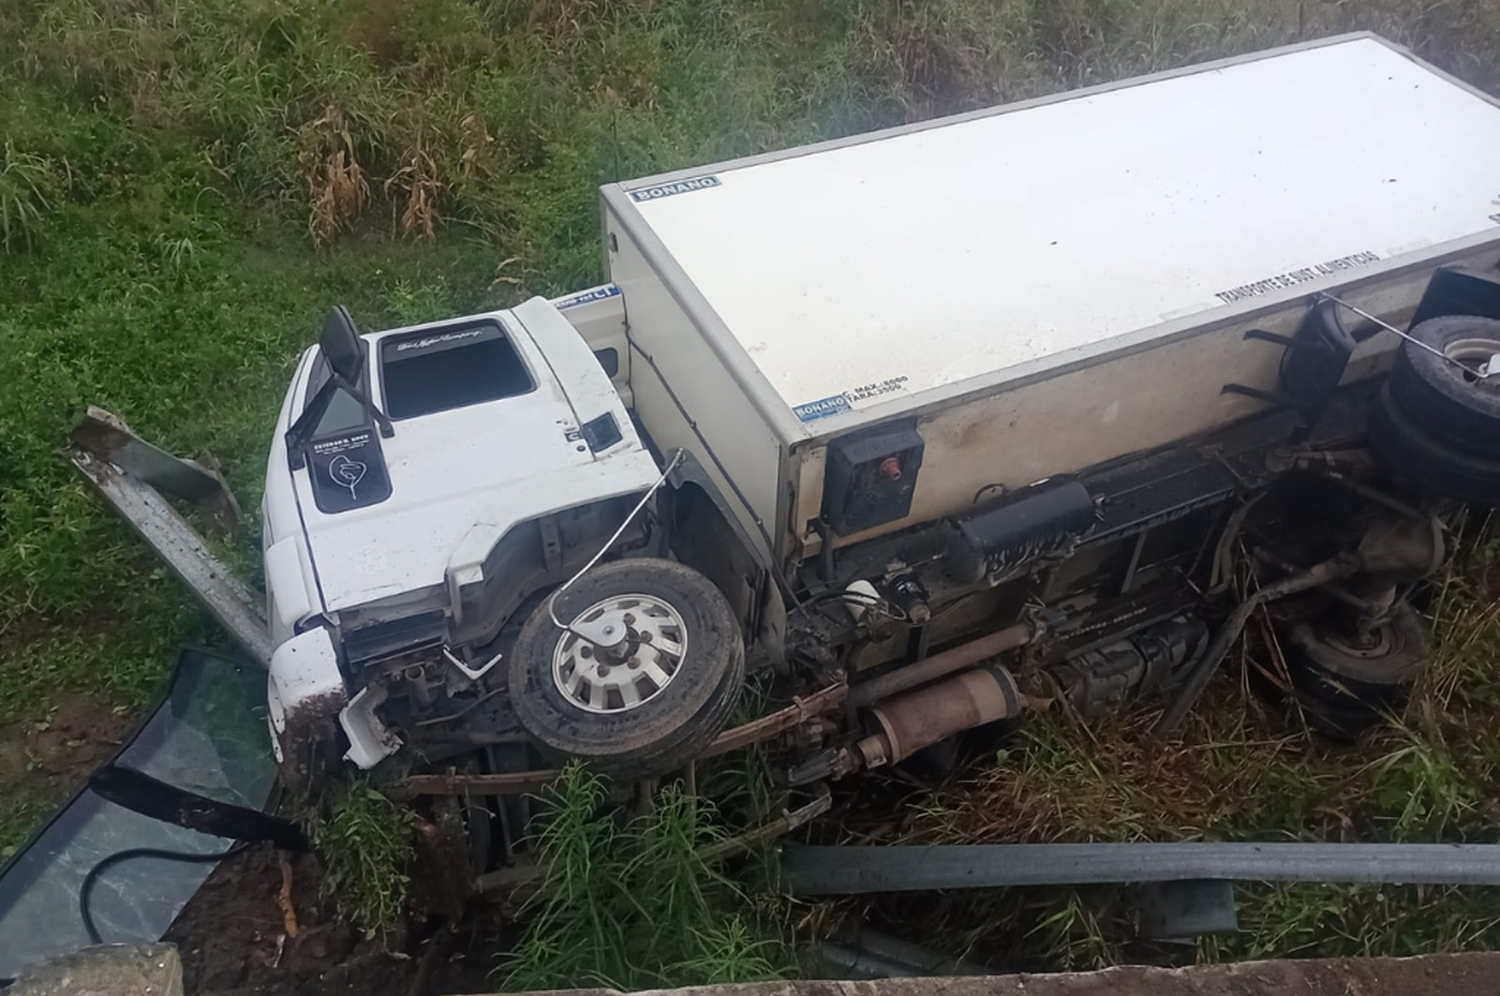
(304, 691)
(689, 470)
(765, 624)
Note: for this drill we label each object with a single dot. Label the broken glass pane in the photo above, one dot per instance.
(208, 736)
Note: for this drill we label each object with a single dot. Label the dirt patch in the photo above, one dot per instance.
(17, 632)
(52, 756)
(234, 942)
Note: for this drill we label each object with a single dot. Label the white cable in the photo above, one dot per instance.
(552, 601)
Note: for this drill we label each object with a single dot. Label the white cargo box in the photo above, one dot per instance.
(919, 269)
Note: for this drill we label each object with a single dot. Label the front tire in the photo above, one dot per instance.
(651, 704)
(1347, 684)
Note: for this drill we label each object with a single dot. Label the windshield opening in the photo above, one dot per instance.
(441, 369)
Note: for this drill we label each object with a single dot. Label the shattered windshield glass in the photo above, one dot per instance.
(208, 736)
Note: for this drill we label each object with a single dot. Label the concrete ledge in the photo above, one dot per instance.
(105, 970)
(1429, 975)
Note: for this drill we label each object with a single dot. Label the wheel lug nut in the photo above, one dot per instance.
(635, 662)
(603, 670)
(585, 651)
(645, 636)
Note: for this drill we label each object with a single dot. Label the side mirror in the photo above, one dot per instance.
(344, 353)
(341, 345)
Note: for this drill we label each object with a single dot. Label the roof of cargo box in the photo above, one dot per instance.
(859, 271)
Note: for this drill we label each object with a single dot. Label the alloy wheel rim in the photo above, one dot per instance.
(625, 677)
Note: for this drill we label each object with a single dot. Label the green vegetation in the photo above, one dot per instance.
(25, 184)
(185, 187)
(365, 842)
(634, 905)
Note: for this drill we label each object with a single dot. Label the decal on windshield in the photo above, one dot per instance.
(427, 342)
(347, 473)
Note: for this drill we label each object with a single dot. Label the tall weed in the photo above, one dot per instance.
(633, 904)
(365, 842)
(28, 184)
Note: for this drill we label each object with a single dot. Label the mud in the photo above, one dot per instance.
(233, 941)
(52, 756)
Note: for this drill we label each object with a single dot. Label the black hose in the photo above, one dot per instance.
(89, 880)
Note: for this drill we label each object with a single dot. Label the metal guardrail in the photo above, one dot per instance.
(128, 471)
(825, 871)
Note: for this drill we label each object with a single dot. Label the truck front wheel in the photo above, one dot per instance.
(649, 703)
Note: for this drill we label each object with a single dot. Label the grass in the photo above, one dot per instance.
(185, 187)
(365, 842)
(634, 905)
(26, 183)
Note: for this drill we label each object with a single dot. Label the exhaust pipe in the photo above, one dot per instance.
(907, 724)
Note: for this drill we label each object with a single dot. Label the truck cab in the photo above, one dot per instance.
(424, 482)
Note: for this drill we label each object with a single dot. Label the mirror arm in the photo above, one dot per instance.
(386, 429)
(296, 433)
(298, 429)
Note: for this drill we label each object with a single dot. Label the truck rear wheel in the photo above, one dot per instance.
(649, 704)
(1412, 450)
(1449, 394)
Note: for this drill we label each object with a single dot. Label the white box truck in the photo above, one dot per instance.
(1023, 408)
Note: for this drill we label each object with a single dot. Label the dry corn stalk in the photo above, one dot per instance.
(336, 184)
(414, 191)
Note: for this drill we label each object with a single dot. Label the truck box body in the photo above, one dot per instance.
(1040, 287)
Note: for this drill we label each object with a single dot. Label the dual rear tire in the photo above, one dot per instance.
(1436, 421)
